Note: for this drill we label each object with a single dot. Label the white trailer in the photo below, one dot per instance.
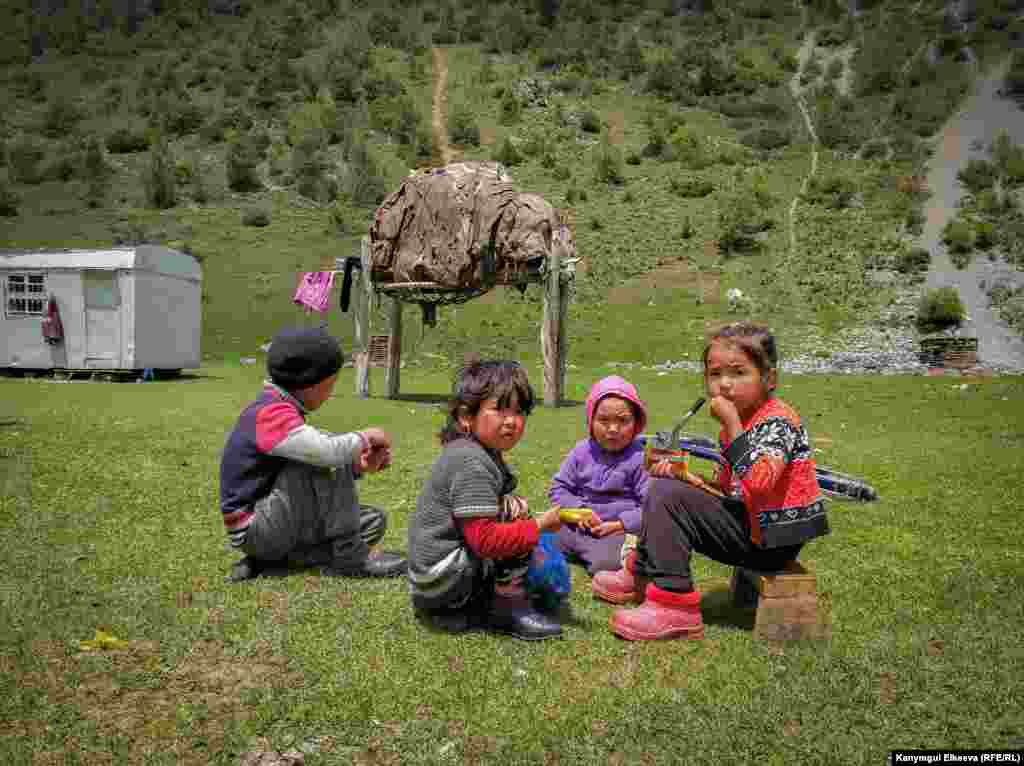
(131, 308)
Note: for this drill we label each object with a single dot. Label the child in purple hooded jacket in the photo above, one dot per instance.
(604, 472)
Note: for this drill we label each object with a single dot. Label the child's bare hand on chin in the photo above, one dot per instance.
(725, 412)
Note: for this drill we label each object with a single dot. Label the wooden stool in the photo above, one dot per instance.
(786, 602)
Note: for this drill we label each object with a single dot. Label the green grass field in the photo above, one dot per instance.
(110, 518)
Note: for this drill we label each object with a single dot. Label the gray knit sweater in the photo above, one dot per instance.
(467, 481)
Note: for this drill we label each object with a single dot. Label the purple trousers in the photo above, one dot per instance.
(597, 554)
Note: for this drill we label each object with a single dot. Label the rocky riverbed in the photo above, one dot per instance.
(889, 345)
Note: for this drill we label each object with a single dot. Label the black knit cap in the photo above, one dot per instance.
(302, 356)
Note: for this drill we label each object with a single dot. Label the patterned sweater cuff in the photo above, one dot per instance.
(738, 451)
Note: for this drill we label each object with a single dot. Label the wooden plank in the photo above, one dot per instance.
(362, 366)
(392, 379)
(563, 350)
(549, 331)
(361, 323)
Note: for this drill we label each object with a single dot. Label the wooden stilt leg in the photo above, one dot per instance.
(392, 382)
(550, 332)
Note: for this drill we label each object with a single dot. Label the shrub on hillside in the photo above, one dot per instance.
(158, 178)
(690, 187)
(655, 146)
(740, 220)
(958, 236)
(985, 235)
(510, 109)
(1008, 159)
(96, 171)
(507, 153)
(9, 200)
(510, 32)
(590, 122)
(309, 167)
(24, 157)
(765, 139)
(396, 116)
(61, 117)
(913, 261)
(836, 192)
(1014, 81)
(836, 34)
(689, 147)
(125, 140)
(940, 307)
(608, 168)
(62, 165)
(363, 180)
(242, 161)
(256, 216)
(463, 128)
(977, 175)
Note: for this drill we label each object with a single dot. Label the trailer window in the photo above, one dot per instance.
(24, 295)
(101, 290)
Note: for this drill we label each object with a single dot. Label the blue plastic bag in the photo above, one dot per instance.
(547, 578)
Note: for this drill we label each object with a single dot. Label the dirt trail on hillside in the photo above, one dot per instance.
(439, 113)
(806, 50)
(966, 136)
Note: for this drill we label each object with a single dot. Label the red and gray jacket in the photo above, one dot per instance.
(270, 432)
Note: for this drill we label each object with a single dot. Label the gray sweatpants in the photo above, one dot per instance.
(312, 516)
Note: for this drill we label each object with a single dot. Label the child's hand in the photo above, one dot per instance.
(377, 456)
(549, 521)
(725, 412)
(376, 438)
(662, 468)
(516, 507)
(600, 528)
(374, 459)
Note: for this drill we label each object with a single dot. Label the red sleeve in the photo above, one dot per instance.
(273, 423)
(491, 539)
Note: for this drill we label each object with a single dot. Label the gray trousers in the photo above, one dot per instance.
(311, 517)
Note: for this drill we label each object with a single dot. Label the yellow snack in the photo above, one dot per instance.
(574, 515)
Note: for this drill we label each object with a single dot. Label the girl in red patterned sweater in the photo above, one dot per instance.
(760, 509)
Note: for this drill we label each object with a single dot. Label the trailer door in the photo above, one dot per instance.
(102, 320)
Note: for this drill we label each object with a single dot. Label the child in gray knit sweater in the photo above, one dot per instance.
(470, 537)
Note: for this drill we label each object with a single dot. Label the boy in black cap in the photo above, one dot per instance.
(287, 489)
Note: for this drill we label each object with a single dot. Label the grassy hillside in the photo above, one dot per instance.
(669, 137)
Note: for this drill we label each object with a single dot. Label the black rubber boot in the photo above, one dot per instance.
(516, 616)
(377, 564)
(250, 568)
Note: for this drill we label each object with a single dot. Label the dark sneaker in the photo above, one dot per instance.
(377, 564)
(250, 568)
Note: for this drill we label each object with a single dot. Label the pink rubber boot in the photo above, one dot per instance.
(622, 586)
(664, 614)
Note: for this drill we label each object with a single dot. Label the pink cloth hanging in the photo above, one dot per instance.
(314, 290)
